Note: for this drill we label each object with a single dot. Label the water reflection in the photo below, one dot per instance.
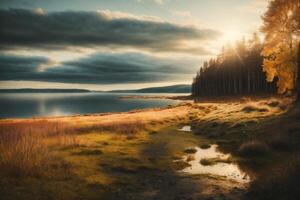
(228, 170)
(185, 129)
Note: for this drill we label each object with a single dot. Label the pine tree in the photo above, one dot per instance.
(236, 70)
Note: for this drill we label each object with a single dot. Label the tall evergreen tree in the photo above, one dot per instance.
(236, 70)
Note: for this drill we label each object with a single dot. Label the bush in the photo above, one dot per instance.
(206, 162)
(205, 146)
(190, 151)
(280, 183)
(253, 148)
(283, 142)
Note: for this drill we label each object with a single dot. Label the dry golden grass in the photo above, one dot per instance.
(123, 127)
(24, 147)
(252, 108)
(25, 144)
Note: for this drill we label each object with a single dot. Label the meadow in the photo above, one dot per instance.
(142, 154)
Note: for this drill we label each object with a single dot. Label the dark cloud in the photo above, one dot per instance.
(36, 29)
(14, 3)
(16, 67)
(105, 68)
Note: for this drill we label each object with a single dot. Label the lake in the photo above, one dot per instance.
(24, 105)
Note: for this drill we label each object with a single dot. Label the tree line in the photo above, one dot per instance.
(236, 70)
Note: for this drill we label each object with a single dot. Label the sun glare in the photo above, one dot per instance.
(230, 36)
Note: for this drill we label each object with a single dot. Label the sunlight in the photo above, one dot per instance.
(150, 99)
(231, 35)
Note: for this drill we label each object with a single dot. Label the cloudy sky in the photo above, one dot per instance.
(116, 44)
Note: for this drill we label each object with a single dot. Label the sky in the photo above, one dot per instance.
(116, 44)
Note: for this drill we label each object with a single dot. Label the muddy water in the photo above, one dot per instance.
(228, 170)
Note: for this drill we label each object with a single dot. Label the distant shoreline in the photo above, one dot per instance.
(164, 89)
(185, 97)
(50, 90)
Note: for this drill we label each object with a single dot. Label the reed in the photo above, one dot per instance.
(24, 150)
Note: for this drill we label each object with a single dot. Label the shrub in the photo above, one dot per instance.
(282, 142)
(206, 162)
(180, 165)
(280, 183)
(205, 146)
(253, 148)
(190, 151)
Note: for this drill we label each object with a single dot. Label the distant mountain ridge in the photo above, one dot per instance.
(165, 89)
(31, 90)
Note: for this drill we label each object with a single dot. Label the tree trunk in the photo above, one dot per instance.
(298, 77)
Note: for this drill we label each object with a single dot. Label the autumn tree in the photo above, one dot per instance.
(281, 49)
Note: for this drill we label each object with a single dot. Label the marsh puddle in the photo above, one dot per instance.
(186, 129)
(228, 170)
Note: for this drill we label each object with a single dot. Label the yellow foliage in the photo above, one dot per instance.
(281, 43)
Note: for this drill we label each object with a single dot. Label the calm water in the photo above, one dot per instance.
(15, 105)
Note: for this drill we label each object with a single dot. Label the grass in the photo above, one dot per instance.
(213, 161)
(273, 103)
(252, 108)
(88, 152)
(23, 154)
(24, 147)
(180, 165)
(190, 158)
(130, 157)
(123, 128)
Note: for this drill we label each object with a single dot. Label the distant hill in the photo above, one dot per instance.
(165, 89)
(168, 89)
(30, 90)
